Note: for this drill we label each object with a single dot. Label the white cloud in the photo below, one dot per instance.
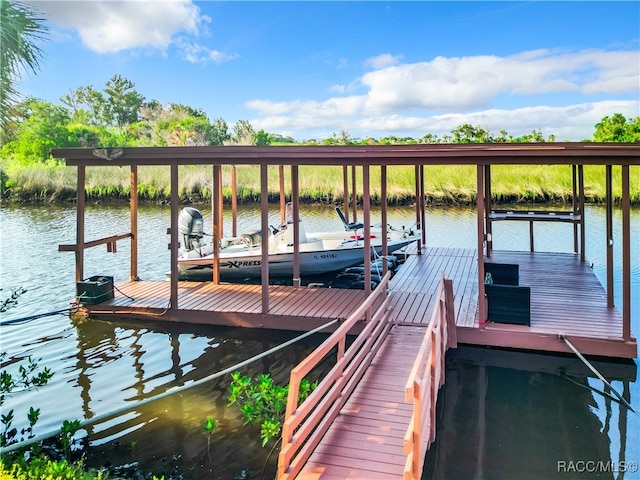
(572, 122)
(382, 61)
(441, 94)
(450, 84)
(109, 26)
(195, 52)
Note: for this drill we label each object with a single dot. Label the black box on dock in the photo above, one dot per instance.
(95, 289)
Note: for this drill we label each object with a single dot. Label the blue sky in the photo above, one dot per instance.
(311, 69)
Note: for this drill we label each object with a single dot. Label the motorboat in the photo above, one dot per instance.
(240, 257)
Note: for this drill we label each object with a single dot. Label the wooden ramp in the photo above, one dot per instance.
(365, 440)
(379, 424)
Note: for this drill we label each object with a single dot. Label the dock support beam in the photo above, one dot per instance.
(489, 207)
(283, 198)
(234, 202)
(295, 198)
(366, 206)
(609, 228)
(423, 219)
(383, 205)
(626, 255)
(217, 221)
(80, 223)
(582, 220)
(345, 191)
(419, 203)
(133, 212)
(264, 225)
(482, 304)
(173, 299)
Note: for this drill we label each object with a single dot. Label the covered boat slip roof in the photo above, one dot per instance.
(552, 153)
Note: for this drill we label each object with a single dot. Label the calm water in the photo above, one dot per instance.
(496, 421)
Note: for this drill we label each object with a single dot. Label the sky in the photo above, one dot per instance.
(313, 69)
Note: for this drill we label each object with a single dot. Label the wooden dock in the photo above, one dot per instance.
(235, 305)
(566, 299)
(366, 439)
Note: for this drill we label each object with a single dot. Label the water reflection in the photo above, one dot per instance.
(503, 423)
(120, 366)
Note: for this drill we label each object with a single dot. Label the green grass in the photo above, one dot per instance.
(443, 184)
(42, 468)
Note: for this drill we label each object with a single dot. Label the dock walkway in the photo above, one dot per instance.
(566, 298)
(235, 305)
(365, 441)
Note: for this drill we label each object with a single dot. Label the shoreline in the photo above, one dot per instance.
(433, 199)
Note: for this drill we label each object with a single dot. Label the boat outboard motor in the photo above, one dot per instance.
(191, 227)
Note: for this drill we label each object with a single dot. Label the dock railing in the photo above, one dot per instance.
(305, 424)
(426, 378)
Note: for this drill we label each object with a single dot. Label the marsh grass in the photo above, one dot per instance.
(444, 184)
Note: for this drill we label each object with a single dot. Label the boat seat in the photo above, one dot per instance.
(348, 226)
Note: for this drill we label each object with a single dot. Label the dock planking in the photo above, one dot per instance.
(566, 297)
(230, 304)
(366, 439)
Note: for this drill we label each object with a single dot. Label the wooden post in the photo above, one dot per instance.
(574, 204)
(173, 296)
(609, 227)
(488, 207)
(264, 225)
(383, 205)
(283, 199)
(418, 217)
(234, 202)
(354, 193)
(217, 228)
(582, 219)
(452, 334)
(345, 191)
(531, 245)
(80, 185)
(482, 305)
(366, 206)
(133, 212)
(295, 198)
(626, 255)
(220, 205)
(423, 223)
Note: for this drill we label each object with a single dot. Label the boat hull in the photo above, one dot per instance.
(249, 264)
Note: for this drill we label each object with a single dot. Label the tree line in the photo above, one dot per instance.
(119, 115)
